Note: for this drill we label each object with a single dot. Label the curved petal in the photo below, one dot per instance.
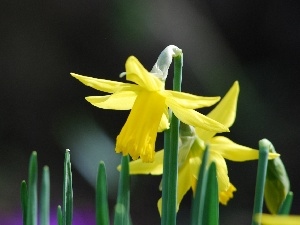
(154, 168)
(184, 182)
(122, 100)
(222, 172)
(190, 101)
(205, 135)
(235, 152)
(101, 84)
(193, 118)
(136, 73)
(195, 159)
(224, 112)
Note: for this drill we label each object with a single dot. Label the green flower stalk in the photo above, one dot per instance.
(67, 206)
(102, 211)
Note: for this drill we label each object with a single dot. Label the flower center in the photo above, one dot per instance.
(138, 135)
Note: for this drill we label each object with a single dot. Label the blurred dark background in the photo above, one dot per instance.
(43, 107)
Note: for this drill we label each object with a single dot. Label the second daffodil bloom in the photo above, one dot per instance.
(192, 147)
(149, 103)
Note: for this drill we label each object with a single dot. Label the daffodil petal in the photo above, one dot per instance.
(190, 101)
(222, 172)
(193, 118)
(267, 219)
(101, 84)
(154, 168)
(195, 163)
(136, 73)
(123, 100)
(184, 182)
(164, 123)
(224, 112)
(235, 152)
(194, 156)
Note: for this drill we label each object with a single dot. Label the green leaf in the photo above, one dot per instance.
(45, 197)
(199, 200)
(59, 216)
(277, 183)
(264, 146)
(102, 212)
(67, 210)
(24, 200)
(211, 206)
(31, 215)
(122, 216)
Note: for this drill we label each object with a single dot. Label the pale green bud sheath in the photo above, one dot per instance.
(187, 138)
(277, 183)
(164, 60)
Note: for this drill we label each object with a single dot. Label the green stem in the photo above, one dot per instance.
(260, 179)
(32, 191)
(59, 216)
(211, 205)
(24, 200)
(45, 197)
(122, 216)
(102, 212)
(170, 165)
(67, 209)
(199, 200)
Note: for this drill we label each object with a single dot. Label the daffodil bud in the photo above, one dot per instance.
(277, 183)
(161, 67)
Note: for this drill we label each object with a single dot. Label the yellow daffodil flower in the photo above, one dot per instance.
(192, 147)
(266, 219)
(149, 102)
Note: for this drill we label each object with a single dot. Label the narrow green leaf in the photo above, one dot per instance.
(285, 208)
(198, 201)
(170, 163)
(211, 206)
(59, 216)
(122, 216)
(24, 200)
(67, 210)
(32, 191)
(264, 146)
(45, 197)
(102, 212)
